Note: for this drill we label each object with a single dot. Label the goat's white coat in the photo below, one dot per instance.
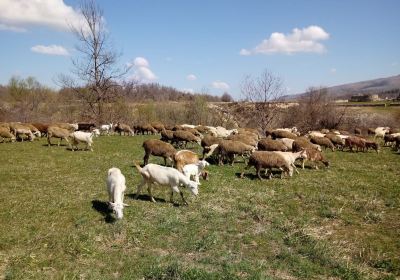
(291, 158)
(81, 136)
(106, 128)
(116, 187)
(195, 170)
(165, 176)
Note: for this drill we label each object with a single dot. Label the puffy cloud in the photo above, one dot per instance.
(220, 85)
(51, 50)
(51, 13)
(191, 77)
(300, 40)
(140, 62)
(141, 70)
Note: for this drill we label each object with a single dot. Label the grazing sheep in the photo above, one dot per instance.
(371, 145)
(230, 148)
(207, 142)
(42, 128)
(287, 142)
(5, 133)
(223, 132)
(381, 131)
(84, 137)
(193, 131)
(158, 148)
(32, 128)
(164, 176)
(354, 142)
(147, 128)
(158, 126)
(202, 129)
(335, 139)
(389, 139)
(19, 132)
(323, 142)
(315, 156)
(123, 128)
(184, 157)
(247, 139)
(58, 132)
(267, 144)
(268, 160)
(195, 170)
(116, 187)
(302, 143)
(167, 135)
(185, 136)
(67, 126)
(86, 126)
(397, 146)
(283, 134)
(311, 134)
(325, 131)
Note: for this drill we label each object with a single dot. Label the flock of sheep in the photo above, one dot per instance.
(279, 149)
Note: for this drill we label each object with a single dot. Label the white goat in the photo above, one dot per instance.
(116, 187)
(96, 132)
(315, 134)
(291, 158)
(195, 170)
(81, 136)
(106, 128)
(165, 176)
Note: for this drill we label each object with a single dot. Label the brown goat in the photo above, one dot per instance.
(354, 142)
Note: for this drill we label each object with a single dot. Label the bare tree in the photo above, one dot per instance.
(263, 92)
(95, 70)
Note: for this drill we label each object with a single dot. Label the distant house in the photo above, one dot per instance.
(364, 98)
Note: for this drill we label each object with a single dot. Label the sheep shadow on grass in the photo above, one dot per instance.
(276, 174)
(145, 197)
(103, 209)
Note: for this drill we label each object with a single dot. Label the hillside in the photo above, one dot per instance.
(381, 86)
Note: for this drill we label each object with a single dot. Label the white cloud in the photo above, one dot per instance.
(51, 50)
(141, 70)
(300, 40)
(191, 77)
(140, 62)
(220, 85)
(6, 27)
(333, 70)
(51, 13)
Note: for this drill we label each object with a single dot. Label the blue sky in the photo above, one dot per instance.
(210, 45)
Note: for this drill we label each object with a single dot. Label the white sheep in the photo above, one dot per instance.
(311, 134)
(381, 131)
(116, 187)
(164, 176)
(81, 136)
(195, 170)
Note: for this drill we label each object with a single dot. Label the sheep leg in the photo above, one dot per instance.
(259, 173)
(146, 159)
(302, 164)
(48, 141)
(171, 197)
(246, 168)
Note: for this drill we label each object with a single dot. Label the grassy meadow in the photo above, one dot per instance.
(336, 223)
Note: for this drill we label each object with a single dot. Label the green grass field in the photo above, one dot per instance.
(336, 223)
